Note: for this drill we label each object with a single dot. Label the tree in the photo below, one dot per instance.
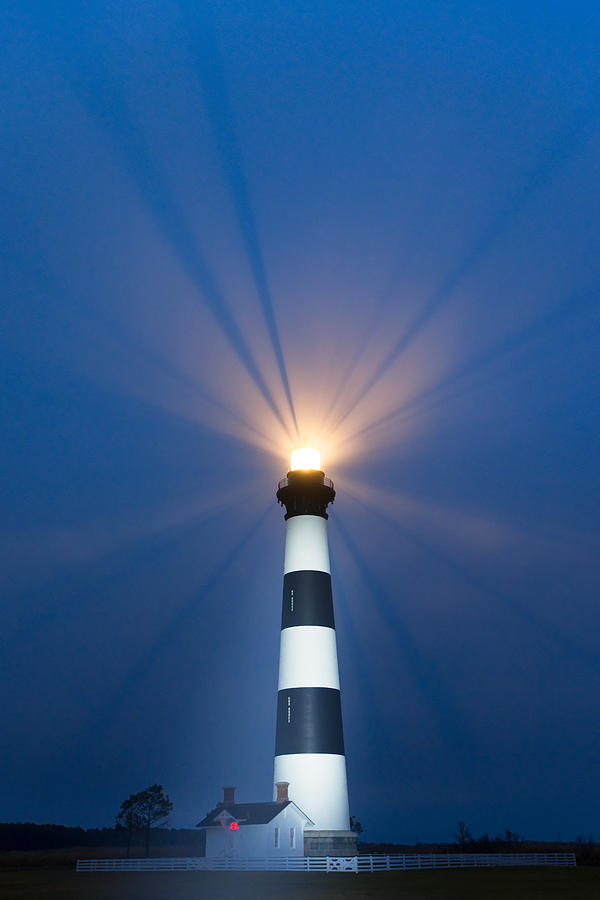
(512, 838)
(129, 819)
(355, 825)
(143, 810)
(463, 835)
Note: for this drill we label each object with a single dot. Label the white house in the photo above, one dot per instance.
(255, 829)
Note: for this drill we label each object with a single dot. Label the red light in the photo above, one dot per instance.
(234, 826)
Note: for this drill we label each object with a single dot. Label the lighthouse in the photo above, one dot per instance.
(309, 746)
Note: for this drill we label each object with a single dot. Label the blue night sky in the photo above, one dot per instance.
(229, 226)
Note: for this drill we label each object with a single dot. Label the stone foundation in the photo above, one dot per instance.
(330, 843)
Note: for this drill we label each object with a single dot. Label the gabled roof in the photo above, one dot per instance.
(246, 813)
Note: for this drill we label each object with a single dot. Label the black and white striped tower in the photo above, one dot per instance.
(309, 747)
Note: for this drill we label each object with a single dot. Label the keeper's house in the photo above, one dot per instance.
(255, 829)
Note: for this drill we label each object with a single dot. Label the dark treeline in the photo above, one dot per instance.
(29, 836)
(586, 850)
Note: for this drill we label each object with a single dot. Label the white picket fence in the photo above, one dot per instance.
(327, 863)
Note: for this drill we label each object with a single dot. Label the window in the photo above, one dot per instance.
(277, 837)
(292, 838)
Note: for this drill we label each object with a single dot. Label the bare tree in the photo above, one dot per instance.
(463, 835)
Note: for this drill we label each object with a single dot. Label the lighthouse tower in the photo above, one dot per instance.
(309, 747)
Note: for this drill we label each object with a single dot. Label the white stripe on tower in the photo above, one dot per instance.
(306, 545)
(309, 752)
(308, 658)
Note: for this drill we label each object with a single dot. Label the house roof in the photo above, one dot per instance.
(246, 813)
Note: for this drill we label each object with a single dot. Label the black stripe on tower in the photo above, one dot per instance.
(309, 720)
(307, 599)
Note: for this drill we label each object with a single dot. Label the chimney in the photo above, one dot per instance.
(229, 795)
(282, 791)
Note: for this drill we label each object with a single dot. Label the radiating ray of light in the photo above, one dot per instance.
(372, 702)
(468, 529)
(344, 444)
(109, 106)
(224, 419)
(552, 160)
(425, 671)
(209, 64)
(114, 116)
(114, 334)
(437, 393)
(99, 334)
(114, 706)
(104, 544)
(113, 110)
(567, 309)
(476, 531)
(368, 499)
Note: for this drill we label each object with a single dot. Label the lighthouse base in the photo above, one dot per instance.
(330, 843)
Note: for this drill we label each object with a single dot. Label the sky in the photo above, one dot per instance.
(230, 227)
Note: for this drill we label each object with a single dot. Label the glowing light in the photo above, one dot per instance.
(234, 826)
(305, 458)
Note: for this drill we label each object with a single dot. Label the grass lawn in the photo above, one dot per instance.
(472, 884)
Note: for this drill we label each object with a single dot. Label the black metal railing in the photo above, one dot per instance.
(285, 481)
